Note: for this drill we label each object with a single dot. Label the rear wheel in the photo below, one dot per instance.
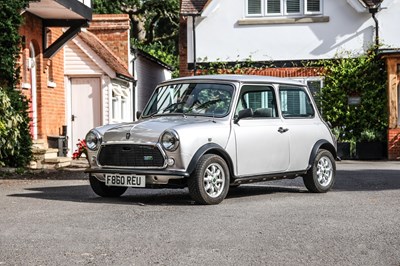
(102, 190)
(209, 183)
(321, 176)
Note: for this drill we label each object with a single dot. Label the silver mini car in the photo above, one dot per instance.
(210, 133)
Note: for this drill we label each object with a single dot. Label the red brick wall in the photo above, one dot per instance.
(289, 72)
(394, 144)
(113, 30)
(50, 101)
(52, 104)
(31, 31)
(183, 64)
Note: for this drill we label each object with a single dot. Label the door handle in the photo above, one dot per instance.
(73, 118)
(282, 130)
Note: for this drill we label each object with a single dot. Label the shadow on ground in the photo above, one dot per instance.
(354, 180)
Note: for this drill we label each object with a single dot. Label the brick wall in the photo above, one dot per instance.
(31, 31)
(53, 100)
(113, 30)
(50, 101)
(183, 64)
(394, 144)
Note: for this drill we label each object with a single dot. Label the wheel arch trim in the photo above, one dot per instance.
(210, 148)
(321, 144)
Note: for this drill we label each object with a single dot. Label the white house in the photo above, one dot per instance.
(285, 30)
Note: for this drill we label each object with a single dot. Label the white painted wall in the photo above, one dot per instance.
(220, 37)
(148, 75)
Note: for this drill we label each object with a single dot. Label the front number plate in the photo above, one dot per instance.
(125, 180)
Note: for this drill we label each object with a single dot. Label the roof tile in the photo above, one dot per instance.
(193, 6)
(102, 50)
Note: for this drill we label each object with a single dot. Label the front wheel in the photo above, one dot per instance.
(321, 176)
(209, 183)
(102, 190)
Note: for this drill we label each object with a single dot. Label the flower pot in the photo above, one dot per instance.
(370, 150)
(343, 150)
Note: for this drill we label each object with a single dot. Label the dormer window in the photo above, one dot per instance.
(259, 8)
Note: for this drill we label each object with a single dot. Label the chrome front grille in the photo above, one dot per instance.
(131, 155)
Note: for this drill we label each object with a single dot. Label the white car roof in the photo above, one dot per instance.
(236, 78)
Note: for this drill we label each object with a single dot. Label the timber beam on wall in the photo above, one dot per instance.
(74, 28)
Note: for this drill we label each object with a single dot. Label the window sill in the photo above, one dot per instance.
(269, 21)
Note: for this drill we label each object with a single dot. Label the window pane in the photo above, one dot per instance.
(114, 110)
(124, 109)
(293, 6)
(273, 6)
(260, 99)
(254, 7)
(313, 6)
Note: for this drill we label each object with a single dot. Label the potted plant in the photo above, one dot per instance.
(370, 145)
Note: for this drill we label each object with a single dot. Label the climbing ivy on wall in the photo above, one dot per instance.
(363, 77)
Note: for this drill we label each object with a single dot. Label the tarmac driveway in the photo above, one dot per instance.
(55, 219)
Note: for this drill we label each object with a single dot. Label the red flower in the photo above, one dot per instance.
(82, 148)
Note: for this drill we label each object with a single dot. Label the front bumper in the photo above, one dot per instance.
(153, 177)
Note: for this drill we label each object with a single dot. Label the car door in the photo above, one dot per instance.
(262, 144)
(302, 123)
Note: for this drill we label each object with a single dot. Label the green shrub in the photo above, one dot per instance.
(15, 139)
(348, 76)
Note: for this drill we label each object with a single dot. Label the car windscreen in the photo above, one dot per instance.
(205, 99)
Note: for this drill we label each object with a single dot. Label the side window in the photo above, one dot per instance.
(260, 99)
(295, 102)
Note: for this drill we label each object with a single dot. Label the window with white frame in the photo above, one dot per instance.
(283, 7)
(120, 103)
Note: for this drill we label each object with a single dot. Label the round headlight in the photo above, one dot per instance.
(93, 140)
(170, 140)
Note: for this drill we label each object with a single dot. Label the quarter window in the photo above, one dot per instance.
(283, 7)
(295, 102)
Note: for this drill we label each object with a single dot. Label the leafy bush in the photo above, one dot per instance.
(365, 77)
(15, 139)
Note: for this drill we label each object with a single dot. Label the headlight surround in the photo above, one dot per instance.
(170, 140)
(93, 140)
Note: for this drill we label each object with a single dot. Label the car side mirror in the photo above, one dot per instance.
(248, 112)
(138, 114)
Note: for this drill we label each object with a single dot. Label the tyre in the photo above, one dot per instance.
(102, 190)
(209, 183)
(321, 176)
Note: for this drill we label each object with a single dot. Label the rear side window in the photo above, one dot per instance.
(295, 102)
